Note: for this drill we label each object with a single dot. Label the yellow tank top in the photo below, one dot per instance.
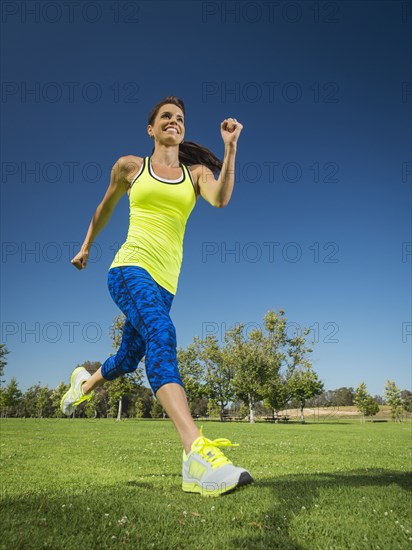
(159, 210)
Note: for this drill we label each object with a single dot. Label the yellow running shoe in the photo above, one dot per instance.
(74, 396)
(206, 470)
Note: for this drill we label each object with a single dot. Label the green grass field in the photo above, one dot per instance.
(103, 484)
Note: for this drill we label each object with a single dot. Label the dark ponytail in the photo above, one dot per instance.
(189, 151)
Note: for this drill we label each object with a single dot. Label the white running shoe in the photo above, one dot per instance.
(74, 396)
(206, 470)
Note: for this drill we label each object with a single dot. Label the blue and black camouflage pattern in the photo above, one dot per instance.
(148, 329)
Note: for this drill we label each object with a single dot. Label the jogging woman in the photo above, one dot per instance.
(144, 274)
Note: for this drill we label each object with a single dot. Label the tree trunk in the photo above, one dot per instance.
(251, 409)
(222, 404)
(119, 410)
(302, 416)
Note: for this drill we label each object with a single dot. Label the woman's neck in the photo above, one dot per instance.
(166, 156)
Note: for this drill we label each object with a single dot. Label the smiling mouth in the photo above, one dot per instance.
(171, 128)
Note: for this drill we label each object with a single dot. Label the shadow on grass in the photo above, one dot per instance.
(293, 492)
(152, 486)
(136, 514)
(90, 517)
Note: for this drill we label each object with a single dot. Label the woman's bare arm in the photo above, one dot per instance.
(218, 192)
(118, 186)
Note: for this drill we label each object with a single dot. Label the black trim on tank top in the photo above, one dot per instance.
(191, 179)
(167, 182)
(139, 173)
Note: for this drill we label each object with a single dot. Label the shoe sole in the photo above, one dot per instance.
(210, 489)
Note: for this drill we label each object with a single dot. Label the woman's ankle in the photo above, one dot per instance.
(187, 444)
(85, 388)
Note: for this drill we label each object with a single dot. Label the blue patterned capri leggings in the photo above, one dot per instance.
(148, 330)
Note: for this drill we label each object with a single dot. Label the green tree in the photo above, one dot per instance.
(371, 406)
(138, 408)
(214, 409)
(264, 359)
(191, 372)
(343, 397)
(217, 370)
(157, 411)
(12, 398)
(275, 390)
(365, 403)
(277, 394)
(119, 389)
(200, 406)
(116, 331)
(146, 400)
(394, 400)
(142, 403)
(3, 409)
(360, 399)
(36, 402)
(3, 352)
(28, 404)
(406, 397)
(95, 405)
(248, 359)
(284, 356)
(44, 404)
(304, 384)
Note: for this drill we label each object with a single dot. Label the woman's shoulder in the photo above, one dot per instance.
(130, 163)
(127, 167)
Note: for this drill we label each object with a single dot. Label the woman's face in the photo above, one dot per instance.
(168, 126)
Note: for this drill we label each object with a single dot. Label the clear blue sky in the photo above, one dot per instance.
(320, 217)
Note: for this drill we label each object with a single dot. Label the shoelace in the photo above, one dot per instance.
(209, 449)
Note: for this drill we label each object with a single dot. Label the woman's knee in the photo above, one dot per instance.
(120, 364)
(163, 332)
